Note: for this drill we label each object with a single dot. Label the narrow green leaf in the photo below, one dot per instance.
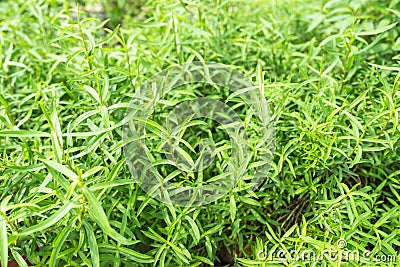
(249, 201)
(3, 241)
(61, 168)
(204, 260)
(106, 185)
(93, 93)
(384, 67)
(232, 208)
(131, 254)
(53, 219)
(94, 249)
(194, 228)
(19, 259)
(23, 133)
(136, 256)
(59, 242)
(377, 31)
(98, 215)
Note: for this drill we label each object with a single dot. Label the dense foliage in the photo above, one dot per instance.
(330, 71)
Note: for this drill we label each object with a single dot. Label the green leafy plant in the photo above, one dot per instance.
(328, 69)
